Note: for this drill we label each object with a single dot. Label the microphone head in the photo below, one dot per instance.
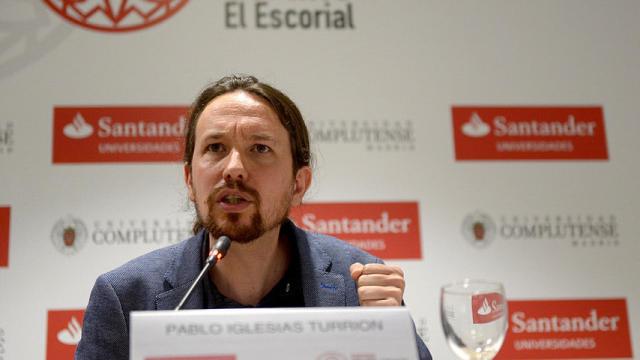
(223, 244)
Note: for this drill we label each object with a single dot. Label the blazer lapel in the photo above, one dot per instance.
(179, 277)
(320, 286)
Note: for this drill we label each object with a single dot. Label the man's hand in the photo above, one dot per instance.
(378, 284)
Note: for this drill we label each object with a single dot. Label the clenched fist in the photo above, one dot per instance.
(378, 284)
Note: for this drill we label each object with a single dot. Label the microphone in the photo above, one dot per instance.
(215, 255)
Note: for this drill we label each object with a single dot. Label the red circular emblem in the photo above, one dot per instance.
(116, 15)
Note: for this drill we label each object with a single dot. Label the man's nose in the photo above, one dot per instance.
(235, 169)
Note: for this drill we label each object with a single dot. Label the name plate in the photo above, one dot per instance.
(355, 333)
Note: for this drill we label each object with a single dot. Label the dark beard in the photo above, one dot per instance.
(242, 234)
(230, 226)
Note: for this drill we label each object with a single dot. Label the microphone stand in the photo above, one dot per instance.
(217, 253)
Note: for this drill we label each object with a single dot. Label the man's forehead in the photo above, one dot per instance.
(239, 108)
(239, 103)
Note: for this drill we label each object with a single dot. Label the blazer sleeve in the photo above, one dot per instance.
(104, 331)
(423, 352)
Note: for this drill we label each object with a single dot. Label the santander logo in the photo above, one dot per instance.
(95, 134)
(487, 307)
(72, 333)
(475, 127)
(379, 225)
(64, 330)
(78, 128)
(529, 133)
(390, 230)
(567, 329)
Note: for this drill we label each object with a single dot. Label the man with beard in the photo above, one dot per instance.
(247, 162)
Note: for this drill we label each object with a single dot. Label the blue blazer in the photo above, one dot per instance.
(158, 280)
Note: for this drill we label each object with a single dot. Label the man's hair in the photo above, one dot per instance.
(287, 112)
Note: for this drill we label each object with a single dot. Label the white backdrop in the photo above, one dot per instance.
(406, 61)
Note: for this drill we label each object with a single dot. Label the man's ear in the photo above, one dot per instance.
(187, 180)
(301, 185)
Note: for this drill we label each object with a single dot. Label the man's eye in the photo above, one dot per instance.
(217, 147)
(261, 148)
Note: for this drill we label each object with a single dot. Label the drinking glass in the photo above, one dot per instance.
(474, 318)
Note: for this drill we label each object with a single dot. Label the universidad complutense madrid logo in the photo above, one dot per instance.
(118, 134)
(567, 329)
(478, 229)
(529, 133)
(389, 230)
(69, 235)
(5, 223)
(116, 15)
(64, 330)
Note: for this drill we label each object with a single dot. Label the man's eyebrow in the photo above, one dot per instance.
(214, 136)
(254, 137)
(262, 137)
